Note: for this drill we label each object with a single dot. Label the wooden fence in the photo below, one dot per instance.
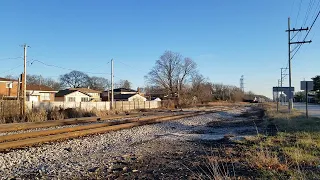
(9, 109)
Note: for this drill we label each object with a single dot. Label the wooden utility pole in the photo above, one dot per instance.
(24, 79)
(112, 83)
(290, 103)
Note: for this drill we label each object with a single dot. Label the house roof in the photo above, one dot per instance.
(123, 90)
(86, 90)
(34, 87)
(6, 79)
(62, 93)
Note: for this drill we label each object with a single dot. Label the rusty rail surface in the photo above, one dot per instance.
(51, 123)
(39, 137)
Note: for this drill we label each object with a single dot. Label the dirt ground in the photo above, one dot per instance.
(163, 158)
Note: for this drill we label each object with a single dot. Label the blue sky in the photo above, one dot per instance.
(226, 39)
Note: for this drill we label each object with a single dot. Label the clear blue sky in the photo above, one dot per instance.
(226, 39)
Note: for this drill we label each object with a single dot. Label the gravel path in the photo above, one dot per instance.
(79, 157)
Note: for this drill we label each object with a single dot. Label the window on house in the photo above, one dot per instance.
(84, 99)
(9, 85)
(71, 99)
(45, 96)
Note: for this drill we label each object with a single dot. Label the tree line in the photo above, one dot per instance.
(75, 79)
(179, 78)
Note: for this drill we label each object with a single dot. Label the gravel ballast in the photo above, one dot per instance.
(80, 158)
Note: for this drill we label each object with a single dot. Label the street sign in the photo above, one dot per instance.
(305, 84)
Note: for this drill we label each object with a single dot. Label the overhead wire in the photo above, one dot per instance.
(69, 69)
(310, 7)
(306, 34)
(50, 65)
(2, 59)
(11, 69)
(298, 13)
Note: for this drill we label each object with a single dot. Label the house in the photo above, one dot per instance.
(69, 95)
(95, 95)
(40, 93)
(129, 97)
(106, 95)
(124, 91)
(8, 88)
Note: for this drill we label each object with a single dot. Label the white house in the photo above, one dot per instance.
(40, 93)
(129, 97)
(72, 96)
(95, 95)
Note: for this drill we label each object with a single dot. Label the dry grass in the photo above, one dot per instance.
(36, 115)
(265, 159)
(9, 111)
(213, 168)
(295, 149)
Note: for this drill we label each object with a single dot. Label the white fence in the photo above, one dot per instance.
(119, 105)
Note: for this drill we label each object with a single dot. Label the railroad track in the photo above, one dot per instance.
(27, 139)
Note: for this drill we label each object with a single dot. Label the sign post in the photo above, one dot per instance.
(307, 100)
(307, 86)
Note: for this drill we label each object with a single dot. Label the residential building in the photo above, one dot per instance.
(106, 95)
(8, 88)
(40, 93)
(124, 91)
(129, 97)
(95, 95)
(69, 95)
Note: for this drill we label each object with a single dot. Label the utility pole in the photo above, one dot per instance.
(278, 95)
(281, 84)
(24, 79)
(242, 83)
(112, 83)
(290, 104)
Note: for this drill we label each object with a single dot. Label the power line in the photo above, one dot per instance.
(132, 67)
(293, 2)
(55, 66)
(2, 59)
(50, 65)
(11, 69)
(307, 34)
(310, 7)
(298, 13)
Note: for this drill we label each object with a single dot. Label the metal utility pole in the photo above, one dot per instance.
(112, 83)
(242, 83)
(307, 114)
(24, 79)
(281, 84)
(290, 104)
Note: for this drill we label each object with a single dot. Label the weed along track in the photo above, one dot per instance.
(27, 139)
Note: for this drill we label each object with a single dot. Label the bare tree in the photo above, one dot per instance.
(171, 72)
(99, 83)
(123, 84)
(201, 89)
(39, 80)
(75, 79)
(11, 77)
(227, 93)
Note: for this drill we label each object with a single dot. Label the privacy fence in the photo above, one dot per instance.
(9, 109)
(118, 105)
